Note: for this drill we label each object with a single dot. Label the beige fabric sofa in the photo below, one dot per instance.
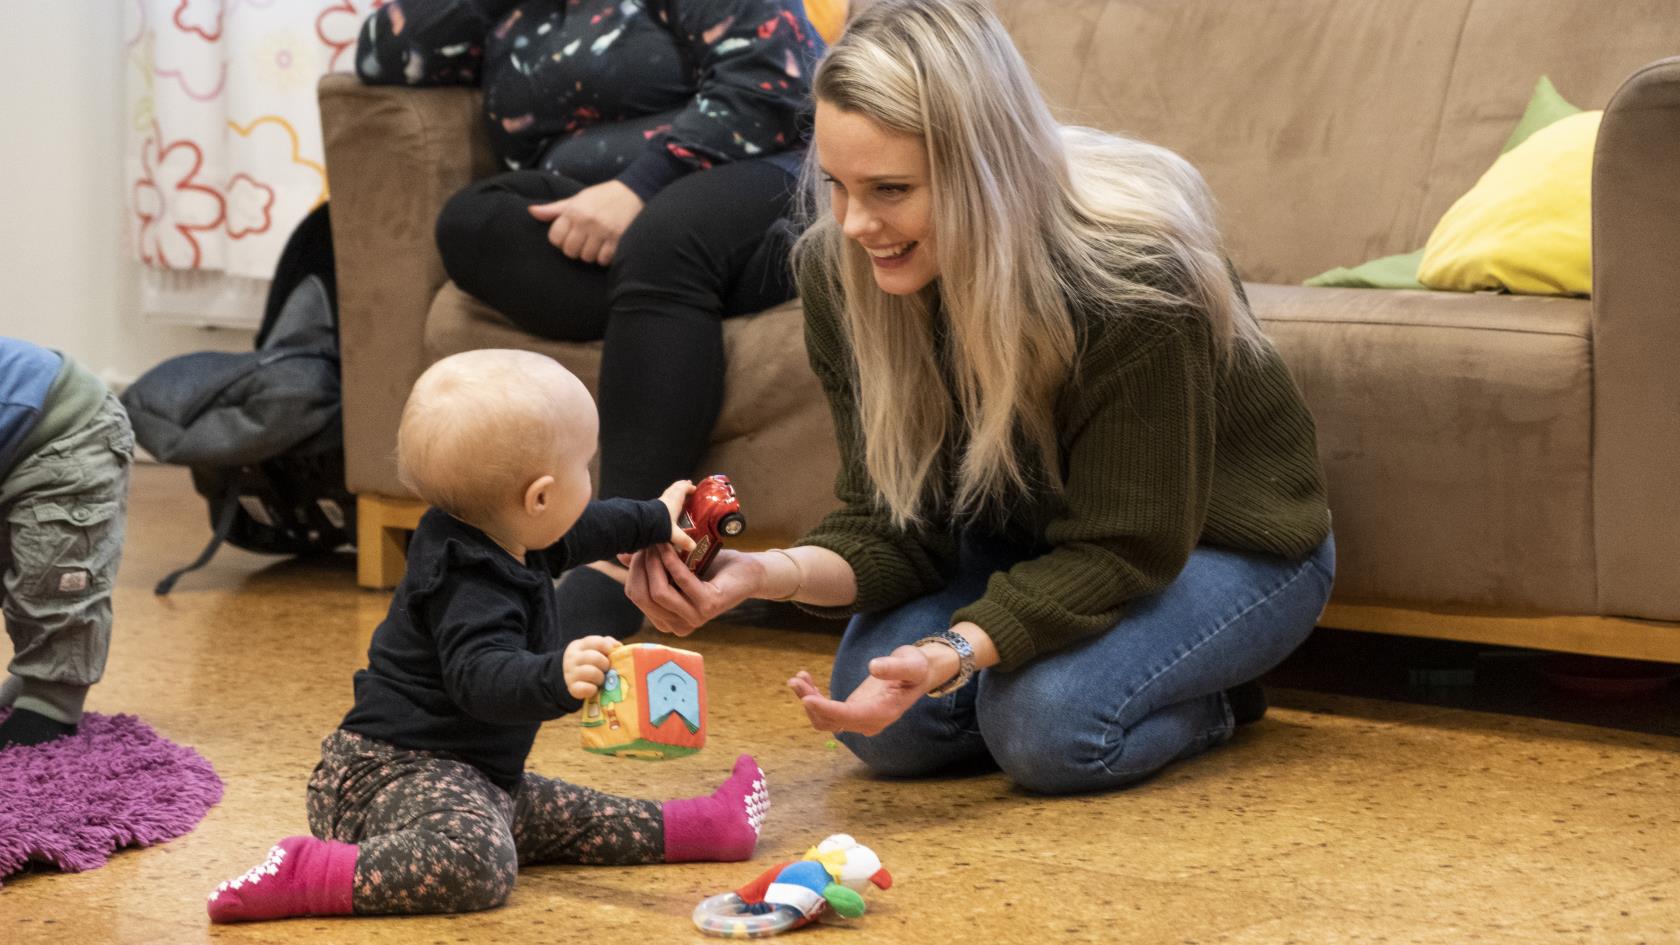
(1501, 469)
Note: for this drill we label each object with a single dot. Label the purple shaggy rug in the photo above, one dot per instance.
(115, 783)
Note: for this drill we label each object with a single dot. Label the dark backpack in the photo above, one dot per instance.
(262, 432)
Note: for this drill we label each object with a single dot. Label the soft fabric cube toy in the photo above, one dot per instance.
(651, 706)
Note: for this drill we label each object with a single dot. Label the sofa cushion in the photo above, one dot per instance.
(1386, 272)
(1526, 225)
(774, 438)
(1455, 432)
(1587, 47)
(1546, 107)
(1266, 100)
(1400, 271)
(1369, 117)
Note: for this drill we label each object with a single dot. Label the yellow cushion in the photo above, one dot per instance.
(828, 16)
(1527, 224)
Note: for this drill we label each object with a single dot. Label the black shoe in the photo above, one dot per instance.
(32, 728)
(1248, 702)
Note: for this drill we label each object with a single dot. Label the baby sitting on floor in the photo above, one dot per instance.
(421, 802)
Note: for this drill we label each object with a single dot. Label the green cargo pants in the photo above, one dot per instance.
(62, 511)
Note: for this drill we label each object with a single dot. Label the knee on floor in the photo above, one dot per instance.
(484, 879)
(1047, 758)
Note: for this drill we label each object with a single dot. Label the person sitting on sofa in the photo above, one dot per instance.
(1082, 510)
(652, 150)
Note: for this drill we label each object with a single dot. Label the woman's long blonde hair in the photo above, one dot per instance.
(1032, 221)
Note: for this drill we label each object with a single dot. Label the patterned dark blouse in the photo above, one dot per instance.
(644, 91)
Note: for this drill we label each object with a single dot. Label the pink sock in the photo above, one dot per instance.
(301, 876)
(721, 828)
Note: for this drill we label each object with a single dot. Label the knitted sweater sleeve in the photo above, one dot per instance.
(1139, 446)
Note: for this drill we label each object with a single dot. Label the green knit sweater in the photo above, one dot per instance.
(1162, 450)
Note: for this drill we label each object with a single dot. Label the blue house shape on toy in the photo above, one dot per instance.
(672, 690)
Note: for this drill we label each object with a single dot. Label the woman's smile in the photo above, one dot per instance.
(892, 257)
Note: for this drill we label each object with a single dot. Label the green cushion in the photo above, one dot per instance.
(1545, 106)
(1389, 272)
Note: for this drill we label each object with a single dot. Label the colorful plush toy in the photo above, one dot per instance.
(652, 704)
(832, 875)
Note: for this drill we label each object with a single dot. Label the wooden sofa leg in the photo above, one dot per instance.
(382, 527)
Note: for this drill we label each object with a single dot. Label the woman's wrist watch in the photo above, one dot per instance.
(965, 660)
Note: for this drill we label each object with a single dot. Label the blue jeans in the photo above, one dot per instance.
(1109, 710)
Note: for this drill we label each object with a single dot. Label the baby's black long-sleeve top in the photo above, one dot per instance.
(468, 658)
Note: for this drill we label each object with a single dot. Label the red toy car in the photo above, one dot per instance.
(711, 513)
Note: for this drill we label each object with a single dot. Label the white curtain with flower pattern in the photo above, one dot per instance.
(224, 154)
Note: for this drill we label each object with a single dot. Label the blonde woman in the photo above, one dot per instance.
(1082, 506)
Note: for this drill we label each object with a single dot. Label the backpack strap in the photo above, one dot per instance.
(225, 515)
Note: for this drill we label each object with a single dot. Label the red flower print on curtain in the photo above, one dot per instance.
(173, 205)
(337, 27)
(203, 17)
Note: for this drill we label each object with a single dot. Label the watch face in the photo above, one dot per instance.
(959, 643)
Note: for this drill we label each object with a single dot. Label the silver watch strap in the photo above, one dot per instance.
(965, 660)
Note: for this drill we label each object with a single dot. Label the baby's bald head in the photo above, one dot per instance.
(481, 425)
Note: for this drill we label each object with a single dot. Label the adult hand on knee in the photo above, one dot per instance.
(675, 600)
(588, 225)
(895, 682)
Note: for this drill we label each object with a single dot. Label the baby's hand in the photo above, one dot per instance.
(585, 665)
(674, 496)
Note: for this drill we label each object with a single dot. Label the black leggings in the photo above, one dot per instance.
(709, 246)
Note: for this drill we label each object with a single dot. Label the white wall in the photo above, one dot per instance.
(66, 279)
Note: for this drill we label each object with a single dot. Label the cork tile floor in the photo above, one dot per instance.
(1336, 819)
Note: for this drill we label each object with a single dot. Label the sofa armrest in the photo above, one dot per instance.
(1636, 342)
(394, 155)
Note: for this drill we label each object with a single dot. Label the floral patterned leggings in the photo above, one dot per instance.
(437, 836)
